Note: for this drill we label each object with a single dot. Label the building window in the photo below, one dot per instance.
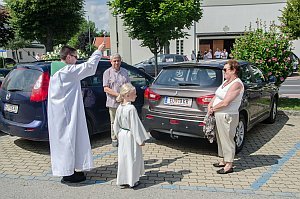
(14, 54)
(181, 44)
(20, 55)
(179, 47)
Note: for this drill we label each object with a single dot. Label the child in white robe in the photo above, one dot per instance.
(131, 135)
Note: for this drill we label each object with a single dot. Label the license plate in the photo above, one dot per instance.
(176, 101)
(11, 108)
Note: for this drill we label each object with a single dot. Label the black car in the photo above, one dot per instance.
(148, 66)
(176, 102)
(23, 103)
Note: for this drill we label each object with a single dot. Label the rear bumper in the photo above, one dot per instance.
(35, 130)
(162, 123)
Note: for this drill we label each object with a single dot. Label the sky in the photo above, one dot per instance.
(97, 11)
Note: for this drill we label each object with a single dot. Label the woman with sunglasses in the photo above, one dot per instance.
(225, 106)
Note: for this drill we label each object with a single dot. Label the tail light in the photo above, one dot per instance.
(150, 117)
(150, 95)
(40, 89)
(204, 100)
(201, 124)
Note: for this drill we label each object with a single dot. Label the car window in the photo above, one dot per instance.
(160, 58)
(179, 58)
(137, 79)
(21, 79)
(203, 77)
(168, 58)
(245, 74)
(97, 79)
(257, 74)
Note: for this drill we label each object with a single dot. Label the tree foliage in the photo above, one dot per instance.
(155, 22)
(6, 32)
(290, 19)
(83, 39)
(270, 50)
(50, 22)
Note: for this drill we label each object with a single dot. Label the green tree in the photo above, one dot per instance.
(290, 19)
(50, 22)
(155, 22)
(6, 32)
(83, 39)
(270, 50)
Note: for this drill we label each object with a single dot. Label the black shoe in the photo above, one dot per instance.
(222, 171)
(73, 178)
(136, 184)
(80, 173)
(124, 186)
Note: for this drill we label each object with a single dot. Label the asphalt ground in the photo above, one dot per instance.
(267, 167)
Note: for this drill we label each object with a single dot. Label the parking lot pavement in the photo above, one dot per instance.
(267, 165)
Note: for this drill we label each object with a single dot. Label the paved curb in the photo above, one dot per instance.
(289, 112)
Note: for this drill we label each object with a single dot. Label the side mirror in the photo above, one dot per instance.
(272, 79)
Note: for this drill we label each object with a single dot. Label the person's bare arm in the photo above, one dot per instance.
(110, 91)
(210, 105)
(232, 93)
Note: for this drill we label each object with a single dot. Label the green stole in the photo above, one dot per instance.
(56, 66)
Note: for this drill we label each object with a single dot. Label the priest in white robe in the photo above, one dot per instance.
(70, 147)
(131, 136)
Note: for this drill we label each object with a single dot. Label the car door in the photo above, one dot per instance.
(149, 66)
(264, 102)
(252, 93)
(94, 98)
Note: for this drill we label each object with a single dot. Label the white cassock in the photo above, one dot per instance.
(131, 134)
(70, 146)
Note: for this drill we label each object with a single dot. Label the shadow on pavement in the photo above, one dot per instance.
(156, 177)
(188, 145)
(153, 163)
(256, 138)
(107, 173)
(42, 147)
(33, 146)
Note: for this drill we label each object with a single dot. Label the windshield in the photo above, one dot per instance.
(21, 80)
(203, 77)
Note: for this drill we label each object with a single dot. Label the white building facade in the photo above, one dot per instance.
(222, 22)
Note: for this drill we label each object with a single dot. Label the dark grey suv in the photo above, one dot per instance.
(176, 102)
(148, 66)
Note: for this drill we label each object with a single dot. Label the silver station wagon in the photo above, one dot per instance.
(176, 102)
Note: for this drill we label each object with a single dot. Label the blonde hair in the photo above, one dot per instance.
(125, 90)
